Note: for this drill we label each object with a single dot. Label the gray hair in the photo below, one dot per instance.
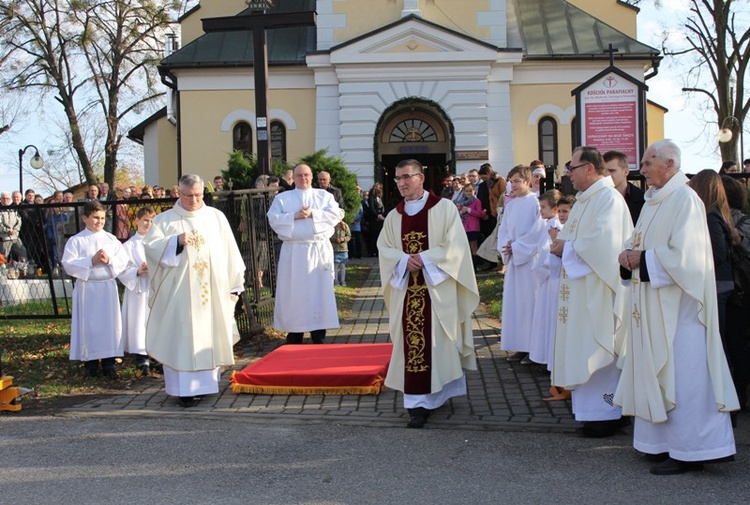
(666, 149)
(190, 180)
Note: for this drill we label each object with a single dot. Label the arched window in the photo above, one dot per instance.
(547, 140)
(242, 138)
(278, 141)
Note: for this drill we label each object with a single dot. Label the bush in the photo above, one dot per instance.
(243, 170)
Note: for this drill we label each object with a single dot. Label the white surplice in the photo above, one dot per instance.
(591, 300)
(675, 377)
(305, 298)
(545, 301)
(190, 327)
(135, 297)
(96, 326)
(521, 225)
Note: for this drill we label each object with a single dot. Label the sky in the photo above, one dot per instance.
(683, 122)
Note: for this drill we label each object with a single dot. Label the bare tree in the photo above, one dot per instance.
(717, 43)
(97, 57)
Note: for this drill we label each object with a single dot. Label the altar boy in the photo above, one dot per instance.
(135, 298)
(95, 258)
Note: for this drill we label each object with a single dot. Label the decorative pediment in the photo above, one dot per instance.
(413, 39)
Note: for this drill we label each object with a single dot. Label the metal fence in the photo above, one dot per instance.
(33, 284)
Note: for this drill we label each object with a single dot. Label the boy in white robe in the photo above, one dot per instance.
(135, 298)
(517, 241)
(95, 258)
(543, 320)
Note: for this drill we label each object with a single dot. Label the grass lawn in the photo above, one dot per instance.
(491, 292)
(35, 352)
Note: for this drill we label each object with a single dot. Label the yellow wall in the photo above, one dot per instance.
(167, 156)
(192, 27)
(655, 125)
(460, 16)
(205, 150)
(611, 12)
(524, 99)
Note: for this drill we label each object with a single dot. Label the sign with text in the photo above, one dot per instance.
(611, 114)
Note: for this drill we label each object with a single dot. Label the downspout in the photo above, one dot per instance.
(170, 80)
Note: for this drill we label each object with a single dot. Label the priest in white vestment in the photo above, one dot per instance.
(304, 219)
(430, 294)
(591, 295)
(196, 270)
(518, 243)
(675, 378)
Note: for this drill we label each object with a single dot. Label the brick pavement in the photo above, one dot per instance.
(501, 395)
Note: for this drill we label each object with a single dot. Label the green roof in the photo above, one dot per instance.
(557, 29)
(286, 46)
(549, 29)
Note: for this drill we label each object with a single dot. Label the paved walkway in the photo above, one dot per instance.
(501, 395)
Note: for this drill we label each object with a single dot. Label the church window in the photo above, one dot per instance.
(547, 138)
(242, 138)
(413, 130)
(278, 141)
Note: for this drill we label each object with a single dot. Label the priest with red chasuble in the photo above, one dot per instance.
(430, 294)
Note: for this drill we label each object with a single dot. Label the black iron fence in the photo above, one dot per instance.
(33, 284)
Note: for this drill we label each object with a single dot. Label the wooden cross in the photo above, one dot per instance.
(258, 22)
(612, 51)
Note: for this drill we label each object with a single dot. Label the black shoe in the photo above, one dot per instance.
(91, 373)
(602, 429)
(657, 458)
(418, 417)
(110, 374)
(675, 467)
(144, 371)
(188, 401)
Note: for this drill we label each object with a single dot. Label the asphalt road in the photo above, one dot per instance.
(243, 460)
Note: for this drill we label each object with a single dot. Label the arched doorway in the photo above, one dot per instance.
(413, 130)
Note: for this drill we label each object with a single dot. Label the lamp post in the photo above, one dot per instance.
(36, 163)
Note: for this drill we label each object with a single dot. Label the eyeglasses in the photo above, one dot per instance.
(404, 177)
(570, 168)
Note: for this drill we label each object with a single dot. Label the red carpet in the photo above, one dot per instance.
(326, 369)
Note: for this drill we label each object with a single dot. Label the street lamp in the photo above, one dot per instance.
(36, 163)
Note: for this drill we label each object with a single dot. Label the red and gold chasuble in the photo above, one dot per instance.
(416, 319)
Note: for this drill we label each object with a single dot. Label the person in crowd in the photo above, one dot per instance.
(675, 378)
(471, 213)
(738, 306)
(219, 183)
(374, 212)
(95, 258)
(10, 225)
(304, 219)
(340, 243)
(619, 169)
(729, 167)
(324, 182)
(430, 293)
(591, 305)
(517, 241)
(196, 272)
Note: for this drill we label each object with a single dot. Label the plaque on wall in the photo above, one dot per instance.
(472, 155)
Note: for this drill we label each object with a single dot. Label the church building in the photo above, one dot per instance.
(452, 83)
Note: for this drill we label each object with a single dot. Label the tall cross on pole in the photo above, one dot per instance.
(258, 22)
